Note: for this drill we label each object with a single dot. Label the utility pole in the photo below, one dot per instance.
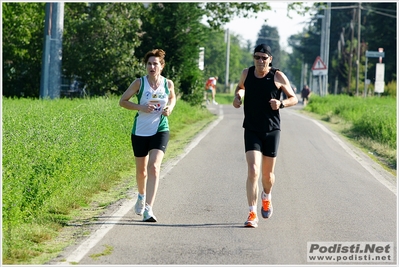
(322, 52)
(227, 89)
(50, 80)
(325, 47)
(358, 48)
(351, 51)
(327, 43)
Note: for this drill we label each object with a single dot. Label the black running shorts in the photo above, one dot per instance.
(265, 142)
(143, 144)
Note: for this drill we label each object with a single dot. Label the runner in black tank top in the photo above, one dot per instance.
(261, 86)
(259, 116)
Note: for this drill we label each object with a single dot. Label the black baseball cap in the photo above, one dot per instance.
(263, 49)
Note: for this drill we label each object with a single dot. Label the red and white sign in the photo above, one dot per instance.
(319, 64)
(319, 68)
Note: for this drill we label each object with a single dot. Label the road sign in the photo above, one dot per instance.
(319, 64)
(319, 68)
(319, 72)
(375, 54)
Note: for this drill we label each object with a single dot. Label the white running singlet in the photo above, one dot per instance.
(148, 124)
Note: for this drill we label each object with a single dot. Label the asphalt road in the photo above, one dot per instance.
(326, 191)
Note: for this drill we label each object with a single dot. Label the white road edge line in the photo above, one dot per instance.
(373, 172)
(78, 254)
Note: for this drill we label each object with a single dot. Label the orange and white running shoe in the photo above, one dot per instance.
(252, 220)
(267, 208)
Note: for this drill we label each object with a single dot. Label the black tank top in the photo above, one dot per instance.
(258, 114)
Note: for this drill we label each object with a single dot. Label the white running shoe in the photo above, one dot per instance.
(148, 215)
(139, 207)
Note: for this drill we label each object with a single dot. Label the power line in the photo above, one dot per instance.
(371, 9)
(383, 9)
(378, 12)
(342, 7)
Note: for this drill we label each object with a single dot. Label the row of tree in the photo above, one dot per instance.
(377, 30)
(342, 69)
(103, 43)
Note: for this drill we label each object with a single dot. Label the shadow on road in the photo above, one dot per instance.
(115, 220)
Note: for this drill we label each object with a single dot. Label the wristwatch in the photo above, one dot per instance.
(281, 105)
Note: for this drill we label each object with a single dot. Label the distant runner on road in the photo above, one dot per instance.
(210, 87)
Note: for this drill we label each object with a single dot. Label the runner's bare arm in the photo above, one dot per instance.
(240, 90)
(282, 82)
(129, 93)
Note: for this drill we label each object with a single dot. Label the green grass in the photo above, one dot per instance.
(107, 251)
(59, 155)
(371, 122)
(225, 98)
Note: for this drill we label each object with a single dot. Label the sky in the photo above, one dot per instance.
(248, 28)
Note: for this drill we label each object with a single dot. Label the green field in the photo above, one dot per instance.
(59, 155)
(64, 161)
(370, 122)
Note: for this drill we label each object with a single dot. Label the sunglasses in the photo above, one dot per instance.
(258, 57)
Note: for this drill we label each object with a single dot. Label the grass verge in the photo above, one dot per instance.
(368, 123)
(64, 162)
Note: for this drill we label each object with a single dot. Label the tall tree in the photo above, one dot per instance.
(177, 29)
(379, 31)
(343, 42)
(343, 46)
(269, 35)
(165, 27)
(240, 58)
(99, 44)
(215, 58)
(23, 28)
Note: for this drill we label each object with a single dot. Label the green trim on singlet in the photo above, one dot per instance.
(164, 123)
(139, 95)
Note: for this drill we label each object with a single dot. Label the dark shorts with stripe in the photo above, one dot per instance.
(143, 144)
(265, 142)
